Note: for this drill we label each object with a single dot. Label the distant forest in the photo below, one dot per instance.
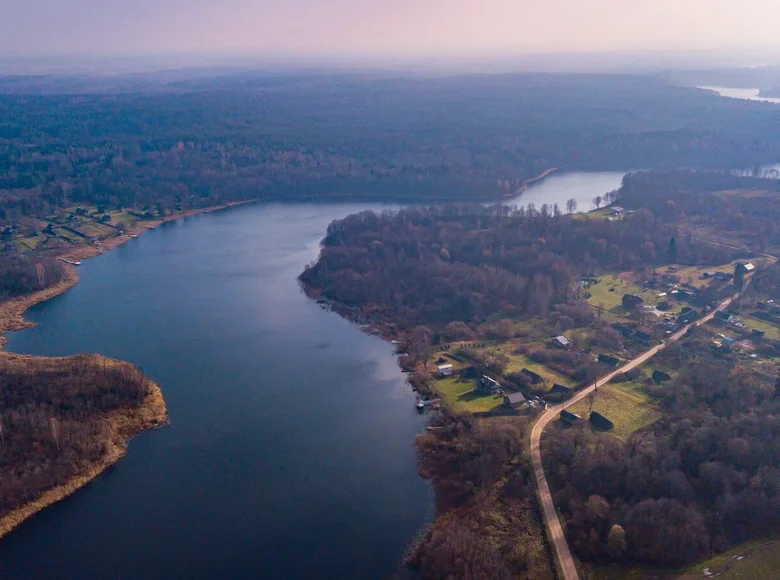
(193, 143)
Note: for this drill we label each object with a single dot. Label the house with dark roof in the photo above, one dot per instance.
(558, 393)
(600, 421)
(531, 376)
(609, 360)
(723, 276)
(514, 400)
(568, 417)
(722, 316)
(487, 386)
(642, 337)
(631, 302)
(660, 376)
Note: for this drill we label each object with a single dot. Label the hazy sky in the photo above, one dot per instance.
(278, 28)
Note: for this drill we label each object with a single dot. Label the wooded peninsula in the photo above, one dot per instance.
(501, 313)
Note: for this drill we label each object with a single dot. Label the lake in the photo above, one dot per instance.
(291, 447)
(560, 187)
(749, 94)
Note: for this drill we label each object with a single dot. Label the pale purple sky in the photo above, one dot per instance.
(363, 28)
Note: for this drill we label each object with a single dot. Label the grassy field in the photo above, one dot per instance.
(627, 405)
(693, 274)
(459, 394)
(762, 564)
(608, 293)
(772, 332)
(518, 362)
(95, 229)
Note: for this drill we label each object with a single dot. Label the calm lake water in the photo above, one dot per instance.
(291, 449)
(749, 94)
(560, 187)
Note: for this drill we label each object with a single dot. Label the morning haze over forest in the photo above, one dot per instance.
(357, 289)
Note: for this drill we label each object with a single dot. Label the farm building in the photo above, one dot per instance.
(747, 266)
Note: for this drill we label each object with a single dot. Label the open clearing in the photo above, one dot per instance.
(609, 290)
(459, 394)
(627, 405)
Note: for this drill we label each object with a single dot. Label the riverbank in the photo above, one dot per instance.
(117, 426)
(12, 311)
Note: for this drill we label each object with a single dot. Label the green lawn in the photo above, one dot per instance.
(627, 405)
(600, 294)
(518, 362)
(459, 394)
(772, 332)
(762, 564)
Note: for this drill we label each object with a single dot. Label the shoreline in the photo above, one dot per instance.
(12, 310)
(126, 424)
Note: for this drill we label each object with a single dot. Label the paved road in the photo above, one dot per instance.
(566, 564)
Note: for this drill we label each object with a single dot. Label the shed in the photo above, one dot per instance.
(445, 370)
(723, 276)
(722, 315)
(560, 342)
(609, 360)
(568, 417)
(514, 400)
(688, 317)
(600, 421)
(533, 378)
(660, 376)
(747, 266)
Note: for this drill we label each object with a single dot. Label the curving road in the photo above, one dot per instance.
(568, 570)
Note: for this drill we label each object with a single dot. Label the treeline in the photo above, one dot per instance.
(53, 420)
(482, 530)
(464, 263)
(21, 275)
(704, 477)
(201, 142)
(719, 200)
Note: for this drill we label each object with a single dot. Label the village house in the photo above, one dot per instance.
(568, 417)
(487, 386)
(600, 421)
(747, 267)
(609, 360)
(558, 393)
(531, 376)
(514, 401)
(560, 342)
(631, 302)
(660, 376)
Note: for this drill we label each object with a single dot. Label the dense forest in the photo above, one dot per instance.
(196, 142)
(482, 531)
(721, 202)
(464, 263)
(704, 477)
(59, 418)
(20, 275)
